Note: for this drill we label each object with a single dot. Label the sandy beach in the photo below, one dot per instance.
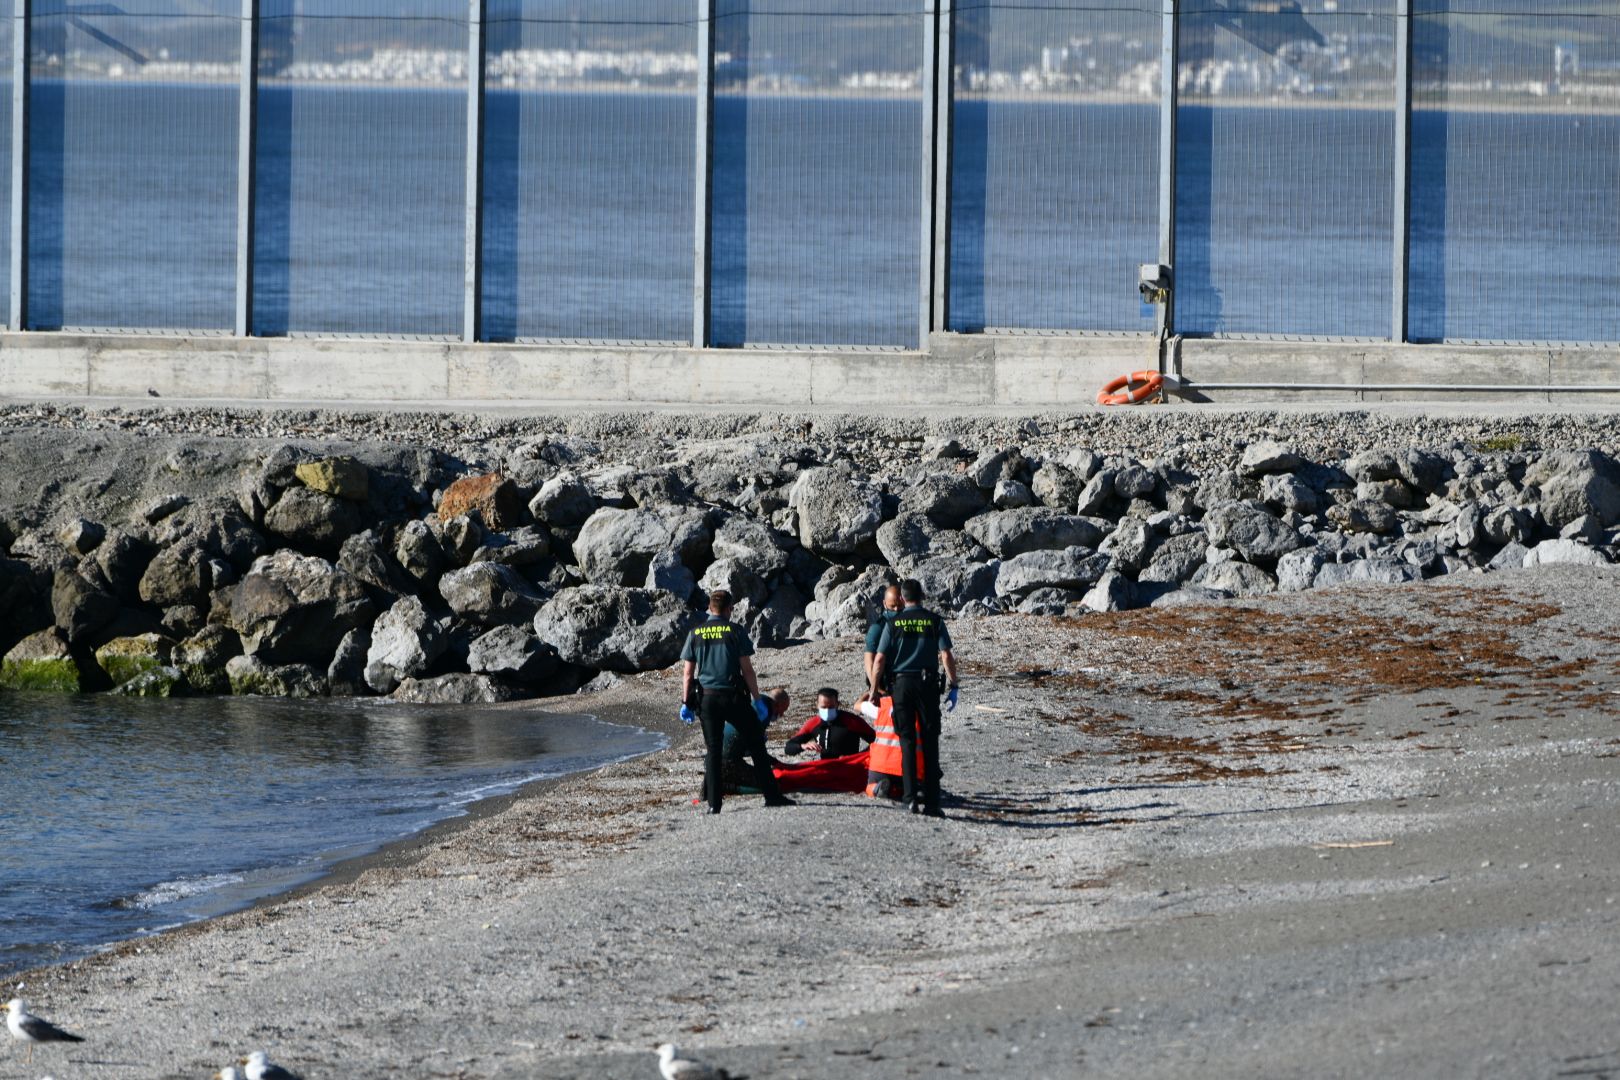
(1346, 832)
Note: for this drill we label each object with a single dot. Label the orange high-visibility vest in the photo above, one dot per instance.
(886, 747)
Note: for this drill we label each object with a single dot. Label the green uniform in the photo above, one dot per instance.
(913, 639)
(717, 647)
(911, 645)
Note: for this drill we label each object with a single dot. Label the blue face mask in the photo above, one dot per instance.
(827, 714)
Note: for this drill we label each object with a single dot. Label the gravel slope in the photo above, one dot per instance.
(1140, 878)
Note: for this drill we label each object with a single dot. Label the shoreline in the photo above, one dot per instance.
(396, 854)
(1271, 855)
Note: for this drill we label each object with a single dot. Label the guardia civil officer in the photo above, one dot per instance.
(910, 650)
(718, 677)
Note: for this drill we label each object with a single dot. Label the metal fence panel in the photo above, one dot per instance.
(361, 166)
(132, 165)
(1516, 171)
(1054, 165)
(589, 128)
(818, 172)
(1285, 148)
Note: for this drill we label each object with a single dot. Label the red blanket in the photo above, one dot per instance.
(839, 774)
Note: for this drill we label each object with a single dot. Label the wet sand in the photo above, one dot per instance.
(1344, 833)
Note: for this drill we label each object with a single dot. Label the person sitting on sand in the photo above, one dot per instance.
(883, 777)
(837, 735)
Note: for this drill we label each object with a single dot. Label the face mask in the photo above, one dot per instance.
(827, 714)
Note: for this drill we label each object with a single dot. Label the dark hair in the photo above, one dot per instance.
(827, 691)
(911, 589)
(720, 600)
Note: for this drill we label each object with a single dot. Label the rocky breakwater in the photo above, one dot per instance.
(542, 564)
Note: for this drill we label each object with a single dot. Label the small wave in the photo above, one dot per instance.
(169, 892)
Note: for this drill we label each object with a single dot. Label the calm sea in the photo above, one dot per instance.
(122, 817)
(1284, 219)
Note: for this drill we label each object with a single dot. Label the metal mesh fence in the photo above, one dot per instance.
(361, 163)
(1516, 172)
(1285, 159)
(589, 147)
(818, 172)
(1054, 165)
(1286, 216)
(132, 166)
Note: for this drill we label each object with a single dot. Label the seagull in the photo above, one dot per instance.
(675, 1067)
(228, 1073)
(31, 1029)
(259, 1068)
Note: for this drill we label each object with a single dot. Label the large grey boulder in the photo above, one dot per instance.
(1575, 484)
(490, 594)
(753, 544)
(735, 578)
(836, 513)
(454, 689)
(185, 575)
(419, 553)
(1382, 570)
(1071, 568)
(512, 652)
(1097, 493)
(1290, 494)
(847, 602)
(1130, 544)
(201, 658)
(1038, 528)
(1134, 482)
(912, 537)
(1235, 578)
(80, 608)
(293, 608)
(1113, 592)
(1223, 486)
(1566, 553)
(1509, 525)
(1267, 457)
(946, 498)
(1375, 464)
(1364, 516)
(346, 674)
(616, 547)
(251, 675)
(1012, 495)
(1251, 531)
(405, 642)
(994, 466)
(1175, 559)
(218, 529)
(312, 519)
(121, 560)
(950, 583)
(1056, 485)
(668, 574)
(565, 502)
(1297, 570)
(614, 629)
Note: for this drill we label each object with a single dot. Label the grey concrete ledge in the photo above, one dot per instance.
(967, 371)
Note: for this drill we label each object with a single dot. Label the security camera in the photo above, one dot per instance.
(1153, 282)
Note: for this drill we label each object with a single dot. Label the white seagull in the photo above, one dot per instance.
(31, 1029)
(259, 1068)
(675, 1067)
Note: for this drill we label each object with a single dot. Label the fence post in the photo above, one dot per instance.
(702, 231)
(20, 48)
(930, 162)
(1399, 327)
(944, 109)
(1169, 57)
(473, 256)
(247, 137)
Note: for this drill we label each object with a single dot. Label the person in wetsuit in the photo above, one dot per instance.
(837, 732)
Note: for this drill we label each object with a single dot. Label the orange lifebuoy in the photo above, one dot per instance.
(1119, 392)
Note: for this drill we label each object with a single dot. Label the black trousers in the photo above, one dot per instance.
(718, 708)
(916, 720)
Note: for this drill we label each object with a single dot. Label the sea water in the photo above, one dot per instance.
(121, 817)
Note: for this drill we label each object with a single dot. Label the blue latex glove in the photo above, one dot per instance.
(762, 710)
(687, 715)
(950, 699)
